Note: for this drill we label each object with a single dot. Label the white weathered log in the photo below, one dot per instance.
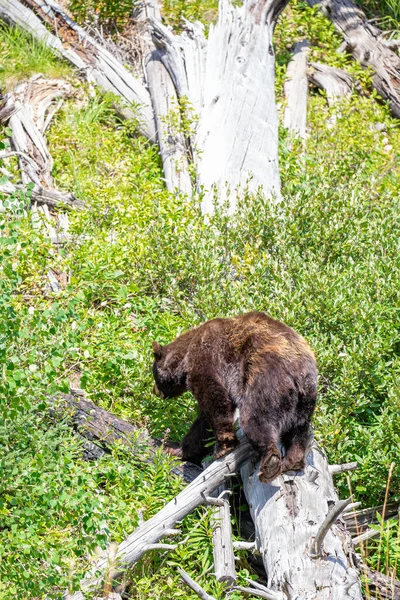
(365, 43)
(337, 83)
(296, 91)
(287, 513)
(53, 198)
(171, 141)
(194, 586)
(367, 535)
(94, 61)
(150, 532)
(238, 129)
(224, 558)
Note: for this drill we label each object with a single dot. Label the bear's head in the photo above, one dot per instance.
(169, 372)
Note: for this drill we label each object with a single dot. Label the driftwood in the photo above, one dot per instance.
(287, 515)
(74, 44)
(337, 83)
(365, 43)
(296, 91)
(149, 533)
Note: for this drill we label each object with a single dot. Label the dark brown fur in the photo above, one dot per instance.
(251, 362)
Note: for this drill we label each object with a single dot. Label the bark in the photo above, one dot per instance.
(296, 91)
(74, 44)
(365, 43)
(357, 522)
(287, 514)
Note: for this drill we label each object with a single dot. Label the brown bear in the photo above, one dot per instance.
(251, 362)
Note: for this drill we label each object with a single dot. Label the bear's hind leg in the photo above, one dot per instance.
(296, 442)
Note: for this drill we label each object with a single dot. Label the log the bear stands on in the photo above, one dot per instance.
(250, 362)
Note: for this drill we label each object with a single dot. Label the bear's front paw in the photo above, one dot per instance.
(293, 465)
(271, 466)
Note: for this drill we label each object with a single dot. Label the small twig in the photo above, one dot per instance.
(161, 547)
(351, 506)
(333, 514)
(266, 593)
(211, 500)
(352, 466)
(194, 586)
(244, 545)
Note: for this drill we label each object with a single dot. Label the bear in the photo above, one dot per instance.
(250, 362)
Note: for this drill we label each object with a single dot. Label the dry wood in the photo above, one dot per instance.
(358, 521)
(337, 83)
(73, 43)
(367, 46)
(380, 586)
(296, 91)
(224, 558)
(229, 80)
(164, 99)
(150, 532)
(194, 586)
(287, 514)
(31, 105)
(334, 469)
(268, 594)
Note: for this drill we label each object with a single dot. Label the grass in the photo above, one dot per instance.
(143, 265)
(21, 57)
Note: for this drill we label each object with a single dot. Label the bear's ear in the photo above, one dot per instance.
(157, 349)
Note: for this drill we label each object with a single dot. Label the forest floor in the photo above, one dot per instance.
(144, 266)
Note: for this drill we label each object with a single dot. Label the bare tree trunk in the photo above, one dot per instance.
(335, 82)
(366, 44)
(287, 514)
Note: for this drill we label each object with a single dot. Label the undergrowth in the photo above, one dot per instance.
(144, 266)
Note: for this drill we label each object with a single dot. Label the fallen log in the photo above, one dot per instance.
(149, 533)
(101, 430)
(357, 522)
(291, 514)
(364, 41)
(74, 44)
